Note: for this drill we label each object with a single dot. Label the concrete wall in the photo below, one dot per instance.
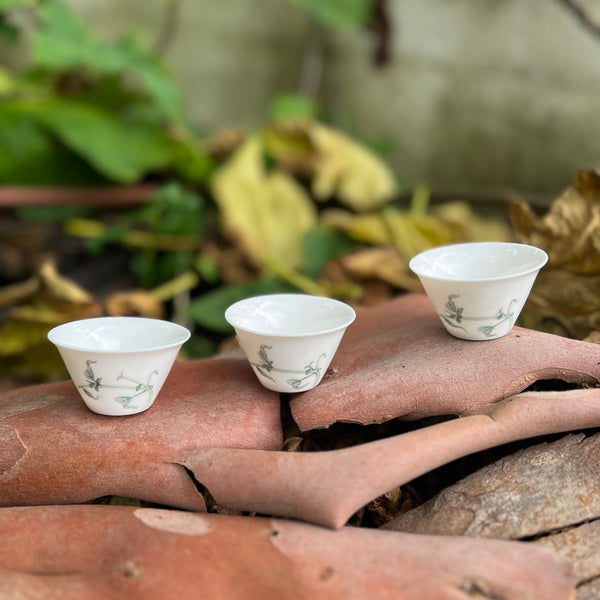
(479, 93)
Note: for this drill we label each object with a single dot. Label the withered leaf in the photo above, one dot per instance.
(336, 165)
(565, 296)
(34, 306)
(264, 213)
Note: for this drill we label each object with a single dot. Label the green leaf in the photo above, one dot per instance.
(8, 84)
(52, 214)
(63, 42)
(337, 13)
(174, 210)
(10, 4)
(200, 346)
(209, 309)
(31, 156)
(155, 80)
(292, 106)
(120, 150)
(8, 32)
(321, 245)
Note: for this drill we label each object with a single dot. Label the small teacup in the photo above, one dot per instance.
(118, 364)
(479, 288)
(289, 339)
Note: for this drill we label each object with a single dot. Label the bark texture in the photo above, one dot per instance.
(99, 552)
(397, 360)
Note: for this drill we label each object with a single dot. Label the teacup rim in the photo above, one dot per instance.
(543, 260)
(275, 334)
(185, 335)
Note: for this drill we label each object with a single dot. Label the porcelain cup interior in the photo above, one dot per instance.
(118, 364)
(289, 339)
(478, 289)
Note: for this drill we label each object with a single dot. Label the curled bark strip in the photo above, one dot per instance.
(118, 552)
(328, 487)
(397, 360)
(535, 492)
(54, 450)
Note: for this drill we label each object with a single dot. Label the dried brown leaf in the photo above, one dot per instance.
(565, 296)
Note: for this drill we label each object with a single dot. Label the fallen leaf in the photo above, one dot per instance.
(264, 213)
(383, 263)
(565, 296)
(135, 302)
(34, 306)
(337, 166)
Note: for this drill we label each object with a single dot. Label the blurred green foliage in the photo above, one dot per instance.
(84, 111)
(295, 206)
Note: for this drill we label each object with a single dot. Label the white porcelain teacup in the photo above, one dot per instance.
(289, 339)
(479, 288)
(118, 364)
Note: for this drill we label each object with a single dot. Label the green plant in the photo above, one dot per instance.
(83, 111)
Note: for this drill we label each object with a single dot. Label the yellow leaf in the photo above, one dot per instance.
(349, 171)
(337, 165)
(61, 288)
(383, 263)
(368, 228)
(264, 213)
(35, 305)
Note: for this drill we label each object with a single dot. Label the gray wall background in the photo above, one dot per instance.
(478, 95)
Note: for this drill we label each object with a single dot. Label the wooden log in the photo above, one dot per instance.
(547, 493)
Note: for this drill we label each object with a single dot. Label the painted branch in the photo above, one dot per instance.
(117, 552)
(397, 360)
(328, 487)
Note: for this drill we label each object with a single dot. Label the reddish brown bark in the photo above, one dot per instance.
(397, 360)
(542, 489)
(54, 450)
(328, 487)
(98, 552)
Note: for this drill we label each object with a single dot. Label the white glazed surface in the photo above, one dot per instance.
(479, 289)
(289, 339)
(118, 364)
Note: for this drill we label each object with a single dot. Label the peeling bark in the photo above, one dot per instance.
(538, 490)
(328, 487)
(397, 360)
(580, 546)
(98, 552)
(547, 493)
(53, 450)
